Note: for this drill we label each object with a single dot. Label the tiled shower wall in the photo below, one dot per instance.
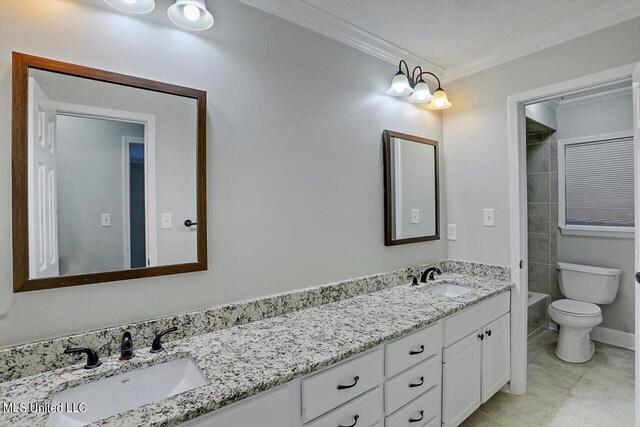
(542, 199)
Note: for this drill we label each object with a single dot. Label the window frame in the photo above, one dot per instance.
(586, 230)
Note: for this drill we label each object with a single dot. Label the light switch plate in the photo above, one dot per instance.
(489, 218)
(105, 220)
(451, 232)
(415, 216)
(165, 220)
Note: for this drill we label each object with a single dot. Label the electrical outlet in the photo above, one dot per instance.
(451, 232)
(105, 220)
(488, 218)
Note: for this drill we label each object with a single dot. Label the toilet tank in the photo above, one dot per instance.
(597, 285)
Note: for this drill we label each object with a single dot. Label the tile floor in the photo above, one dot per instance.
(598, 393)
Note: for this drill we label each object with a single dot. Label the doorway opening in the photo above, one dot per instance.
(569, 203)
(117, 190)
(134, 203)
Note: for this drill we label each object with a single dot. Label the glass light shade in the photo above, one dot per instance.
(400, 85)
(132, 6)
(191, 12)
(440, 100)
(184, 15)
(421, 93)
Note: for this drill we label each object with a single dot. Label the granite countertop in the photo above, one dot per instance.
(245, 360)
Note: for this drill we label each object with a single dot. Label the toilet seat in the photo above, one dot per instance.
(576, 308)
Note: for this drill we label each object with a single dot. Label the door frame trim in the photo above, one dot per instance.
(518, 202)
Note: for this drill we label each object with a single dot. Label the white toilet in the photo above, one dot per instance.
(584, 286)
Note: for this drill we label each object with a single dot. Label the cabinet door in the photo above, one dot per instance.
(496, 356)
(279, 407)
(461, 379)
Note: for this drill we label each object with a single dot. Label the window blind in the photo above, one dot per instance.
(599, 183)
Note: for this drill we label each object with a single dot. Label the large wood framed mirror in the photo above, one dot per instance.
(109, 176)
(411, 193)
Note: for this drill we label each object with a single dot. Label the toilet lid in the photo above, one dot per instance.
(579, 308)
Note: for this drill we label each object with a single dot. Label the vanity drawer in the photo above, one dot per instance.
(473, 318)
(398, 390)
(433, 422)
(412, 349)
(335, 386)
(367, 409)
(425, 408)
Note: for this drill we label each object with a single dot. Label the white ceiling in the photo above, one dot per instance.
(459, 36)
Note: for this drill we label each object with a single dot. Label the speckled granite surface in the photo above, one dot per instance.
(244, 360)
(30, 359)
(42, 356)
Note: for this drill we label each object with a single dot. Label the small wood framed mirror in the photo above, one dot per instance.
(411, 194)
(109, 176)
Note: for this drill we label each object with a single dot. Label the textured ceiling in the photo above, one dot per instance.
(452, 32)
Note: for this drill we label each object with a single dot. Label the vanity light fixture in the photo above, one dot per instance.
(132, 6)
(404, 84)
(190, 15)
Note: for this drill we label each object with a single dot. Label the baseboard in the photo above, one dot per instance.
(608, 336)
(614, 337)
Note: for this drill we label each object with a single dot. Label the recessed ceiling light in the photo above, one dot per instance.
(190, 15)
(132, 6)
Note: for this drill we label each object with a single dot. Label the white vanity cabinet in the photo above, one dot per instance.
(437, 375)
(476, 361)
(274, 408)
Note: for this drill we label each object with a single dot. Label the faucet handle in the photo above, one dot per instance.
(93, 361)
(156, 346)
(126, 347)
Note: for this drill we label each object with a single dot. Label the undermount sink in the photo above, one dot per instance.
(450, 290)
(120, 393)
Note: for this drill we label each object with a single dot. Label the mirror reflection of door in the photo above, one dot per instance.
(94, 195)
(42, 170)
(89, 197)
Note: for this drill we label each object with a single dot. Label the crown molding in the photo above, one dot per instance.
(306, 15)
(309, 16)
(595, 97)
(606, 17)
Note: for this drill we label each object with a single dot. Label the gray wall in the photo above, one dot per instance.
(476, 152)
(89, 160)
(294, 157)
(543, 114)
(594, 118)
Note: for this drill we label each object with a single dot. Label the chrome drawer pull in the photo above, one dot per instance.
(415, 420)
(355, 381)
(355, 421)
(413, 352)
(419, 384)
